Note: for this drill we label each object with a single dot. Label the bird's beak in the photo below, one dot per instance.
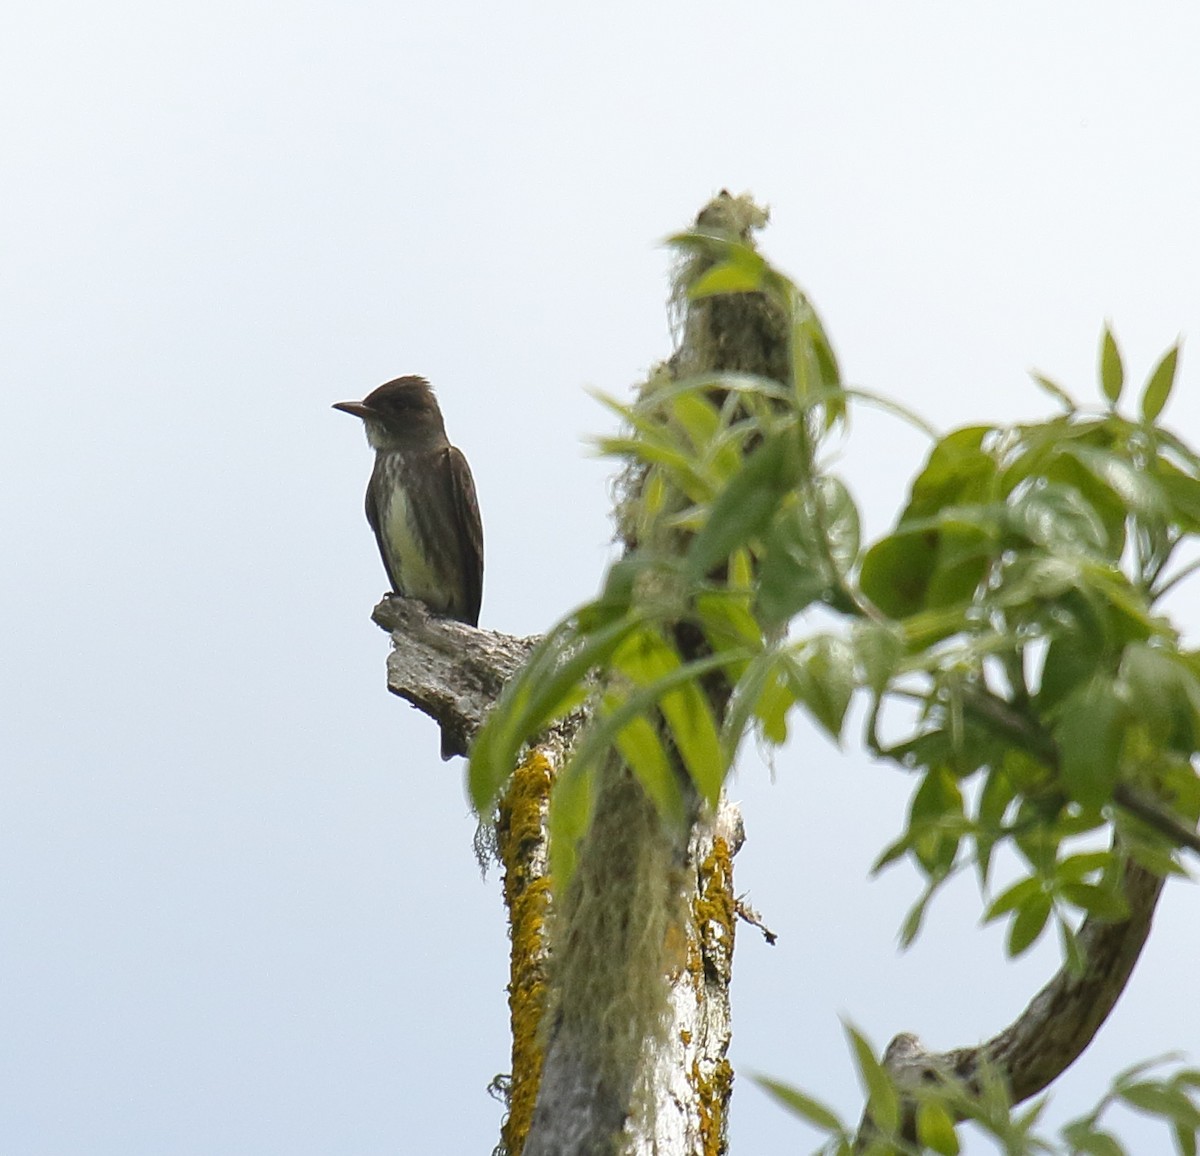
(355, 407)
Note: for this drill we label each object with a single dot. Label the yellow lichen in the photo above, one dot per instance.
(713, 1099)
(521, 836)
(715, 903)
(714, 912)
(714, 909)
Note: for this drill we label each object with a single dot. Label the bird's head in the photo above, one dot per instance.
(399, 414)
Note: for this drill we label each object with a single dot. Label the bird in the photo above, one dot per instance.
(421, 503)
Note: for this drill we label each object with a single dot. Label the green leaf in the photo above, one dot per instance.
(814, 366)
(796, 570)
(751, 678)
(1034, 578)
(1077, 867)
(640, 746)
(965, 549)
(937, 798)
(1074, 652)
(839, 516)
(878, 648)
(932, 563)
(570, 816)
(743, 508)
(1136, 490)
(998, 793)
(822, 678)
(1055, 391)
(1058, 519)
(1013, 897)
(726, 620)
(1185, 1139)
(698, 417)
(655, 448)
(817, 1114)
(1101, 902)
(958, 472)
(1086, 1140)
(922, 630)
(994, 800)
(1134, 1072)
(1182, 492)
(1066, 468)
(892, 852)
(1028, 774)
(775, 700)
(1163, 695)
(883, 1104)
(1149, 854)
(933, 818)
(1158, 388)
(1177, 450)
(1112, 372)
(1089, 734)
(651, 663)
(1028, 923)
(617, 596)
(1027, 1117)
(601, 734)
(1157, 1099)
(741, 272)
(772, 707)
(1072, 952)
(1129, 617)
(793, 573)
(935, 1128)
(896, 571)
(694, 730)
(911, 927)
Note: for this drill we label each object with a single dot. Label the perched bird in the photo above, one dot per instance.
(421, 502)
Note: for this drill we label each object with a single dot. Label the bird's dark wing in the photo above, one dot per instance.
(373, 520)
(468, 531)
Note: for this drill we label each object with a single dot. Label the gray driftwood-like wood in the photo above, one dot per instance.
(450, 671)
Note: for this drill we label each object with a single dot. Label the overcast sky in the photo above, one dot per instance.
(239, 910)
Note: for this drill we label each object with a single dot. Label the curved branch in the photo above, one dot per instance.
(1060, 1021)
(1051, 1033)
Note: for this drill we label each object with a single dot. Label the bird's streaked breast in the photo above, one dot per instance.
(408, 555)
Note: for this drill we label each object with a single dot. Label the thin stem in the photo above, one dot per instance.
(1175, 579)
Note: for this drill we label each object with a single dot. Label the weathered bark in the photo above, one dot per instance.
(673, 1099)
(454, 674)
(691, 1073)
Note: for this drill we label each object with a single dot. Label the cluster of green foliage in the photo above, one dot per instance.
(1027, 573)
(1172, 1099)
(1007, 636)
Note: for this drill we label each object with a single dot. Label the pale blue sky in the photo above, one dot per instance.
(239, 912)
